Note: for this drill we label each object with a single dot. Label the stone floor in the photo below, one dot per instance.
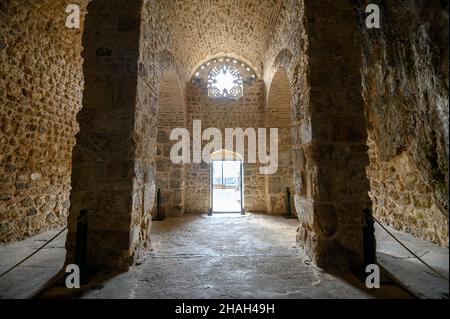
(223, 256)
(418, 278)
(30, 277)
(226, 256)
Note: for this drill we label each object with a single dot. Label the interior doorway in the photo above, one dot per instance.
(226, 186)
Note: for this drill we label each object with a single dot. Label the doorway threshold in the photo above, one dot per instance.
(228, 215)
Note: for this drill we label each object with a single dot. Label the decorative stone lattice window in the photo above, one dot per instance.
(224, 77)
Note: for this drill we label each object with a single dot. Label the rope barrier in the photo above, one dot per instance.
(376, 220)
(34, 253)
(409, 250)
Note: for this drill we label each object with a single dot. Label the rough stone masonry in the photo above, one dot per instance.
(85, 113)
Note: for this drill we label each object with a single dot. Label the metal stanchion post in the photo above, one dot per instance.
(370, 252)
(288, 205)
(158, 216)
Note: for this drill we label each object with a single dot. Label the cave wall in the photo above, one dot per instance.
(405, 89)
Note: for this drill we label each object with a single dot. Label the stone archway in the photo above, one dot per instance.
(155, 62)
(171, 115)
(114, 159)
(277, 113)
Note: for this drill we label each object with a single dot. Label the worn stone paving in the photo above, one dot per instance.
(30, 277)
(418, 278)
(228, 256)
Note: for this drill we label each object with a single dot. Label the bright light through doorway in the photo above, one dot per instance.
(227, 187)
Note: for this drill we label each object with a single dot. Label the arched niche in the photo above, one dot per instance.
(277, 114)
(170, 115)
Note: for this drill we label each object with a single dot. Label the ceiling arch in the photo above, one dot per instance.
(203, 28)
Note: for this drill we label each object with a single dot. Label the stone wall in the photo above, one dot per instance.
(41, 83)
(245, 112)
(405, 88)
(130, 46)
(403, 200)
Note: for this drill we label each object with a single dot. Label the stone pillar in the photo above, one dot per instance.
(333, 153)
(103, 158)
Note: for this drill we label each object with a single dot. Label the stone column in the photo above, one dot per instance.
(333, 153)
(103, 158)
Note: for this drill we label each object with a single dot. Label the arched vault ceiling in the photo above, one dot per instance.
(203, 28)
